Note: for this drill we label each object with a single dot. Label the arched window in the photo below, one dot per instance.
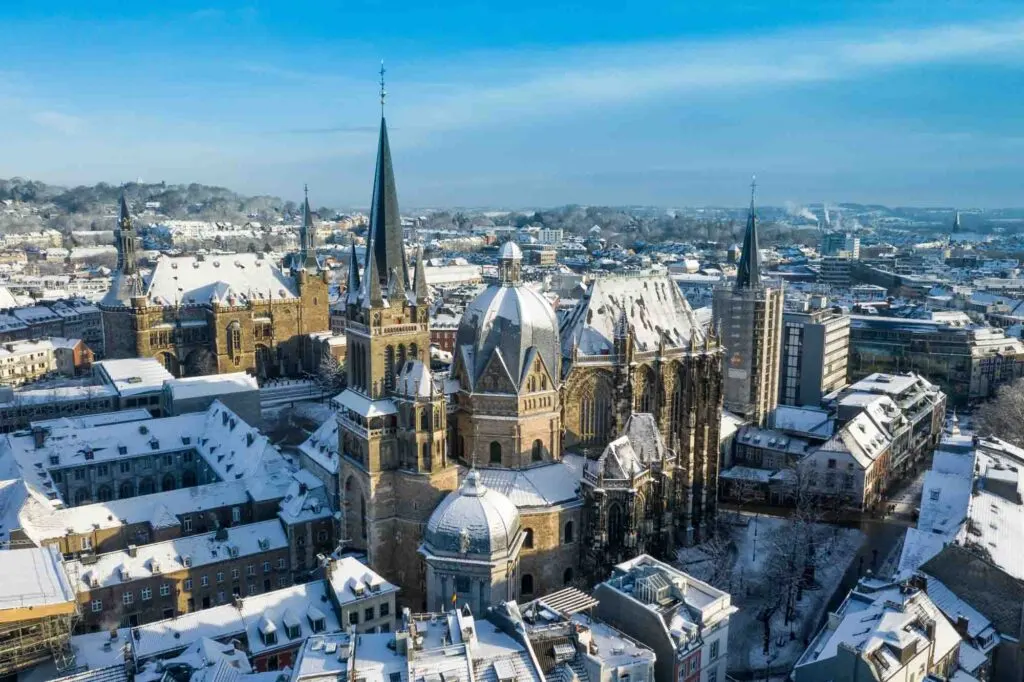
(147, 487)
(495, 452)
(567, 576)
(389, 368)
(526, 584)
(168, 483)
(81, 496)
(414, 352)
(538, 450)
(567, 535)
(528, 541)
(425, 420)
(126, 490)
(104, 494)
(234, 339)
(647, 401)
(401, 358)
(616, 525)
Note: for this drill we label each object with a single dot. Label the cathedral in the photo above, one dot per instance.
(554, 449)
(217, 313)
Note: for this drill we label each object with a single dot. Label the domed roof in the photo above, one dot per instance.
(510, 250)
(512, 320)
(473, 520)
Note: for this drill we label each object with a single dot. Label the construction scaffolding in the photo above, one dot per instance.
(38, 611)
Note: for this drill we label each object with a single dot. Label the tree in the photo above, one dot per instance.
(330, 374)
(1003, 415)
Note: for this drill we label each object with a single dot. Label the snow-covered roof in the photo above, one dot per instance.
(807, 421)
(862, 438)
(212, 384)
(223, 279)
(322, 446)
(33, 578)
(541, 486)
(995, 511)
(415, 380)
(113, 568)
(352, 580)
(654, 307)
(363, 406)
(879, 625)
(131, 376)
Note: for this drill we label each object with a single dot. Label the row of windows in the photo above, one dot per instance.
(568, 535)
(369, 613)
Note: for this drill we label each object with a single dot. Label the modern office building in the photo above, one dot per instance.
(815, 352)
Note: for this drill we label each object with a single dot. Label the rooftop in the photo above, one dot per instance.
(34, 579)
(132, 376)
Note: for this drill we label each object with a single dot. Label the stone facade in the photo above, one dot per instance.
(235, 312)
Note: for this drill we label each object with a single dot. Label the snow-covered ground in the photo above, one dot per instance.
(741, 566)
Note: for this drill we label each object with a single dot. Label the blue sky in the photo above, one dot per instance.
(528, 103)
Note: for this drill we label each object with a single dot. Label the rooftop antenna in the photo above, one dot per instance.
(383, 92)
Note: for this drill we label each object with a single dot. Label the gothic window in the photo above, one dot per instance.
(526, 584)
(401, 357)
(425, 420)
(677, 401)
(567, 535)
(495, 452)
(595, 417)
(538, 450)
(426, 455)
(389, 368)
(234, 339)
(647, 384)
(414, 352)
(616, 525)
(528, 541)
(126, 490)
(103, 494)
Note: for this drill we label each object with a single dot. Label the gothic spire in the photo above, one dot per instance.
(421, 279)
(370, 295)
(748, 274)
(307, 237)
(956, 223)
(125, 238)
(352, 294)
(385, 235)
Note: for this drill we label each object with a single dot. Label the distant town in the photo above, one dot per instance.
(255, 440)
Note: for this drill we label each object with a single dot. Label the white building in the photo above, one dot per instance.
(684, 620)
(24, 361)
(889, 632)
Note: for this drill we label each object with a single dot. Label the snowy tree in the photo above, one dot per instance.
(1003, 415)
(330, 374)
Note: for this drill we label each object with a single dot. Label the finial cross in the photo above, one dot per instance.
(383, 92)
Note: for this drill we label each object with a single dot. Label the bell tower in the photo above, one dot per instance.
(394, 468)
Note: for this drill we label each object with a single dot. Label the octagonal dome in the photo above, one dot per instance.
(474, 520)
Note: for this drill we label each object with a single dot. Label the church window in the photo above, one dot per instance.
(567, 534)
(425, 420)
(389, 368)
(426, 455)
(528, 539)
(543, 383)
(616, 525)
(401, 357)
(526, 584)
(414, 352)
(538, 450)
(495, 452)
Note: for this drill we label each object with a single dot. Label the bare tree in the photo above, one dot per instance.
(1003, 415)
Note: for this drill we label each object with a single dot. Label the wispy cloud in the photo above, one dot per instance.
(61, 123)
(622, 76)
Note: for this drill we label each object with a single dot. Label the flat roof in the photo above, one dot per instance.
(132, 376)
(34, 579)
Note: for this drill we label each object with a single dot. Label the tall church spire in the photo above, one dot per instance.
(748, 274)
(352, 294)
(384, 242)
(307, 237)
(125, 240)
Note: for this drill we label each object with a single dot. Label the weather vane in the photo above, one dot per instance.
(383, 92)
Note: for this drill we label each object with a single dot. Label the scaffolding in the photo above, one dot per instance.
(36, 624)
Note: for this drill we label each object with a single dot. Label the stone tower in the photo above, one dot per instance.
(311, 279)
(124, 237)
(394, 466)
(750, 316)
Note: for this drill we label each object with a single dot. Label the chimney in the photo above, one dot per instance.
(38, 436)
(919, 582)
(963, 624)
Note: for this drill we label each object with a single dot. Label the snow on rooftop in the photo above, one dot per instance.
(363, 406)
(322, 446)
(34, 578)
(353, 580)
(212, 384)
(131, 376)
(191, 551)
(225, 279)
(654, 308)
